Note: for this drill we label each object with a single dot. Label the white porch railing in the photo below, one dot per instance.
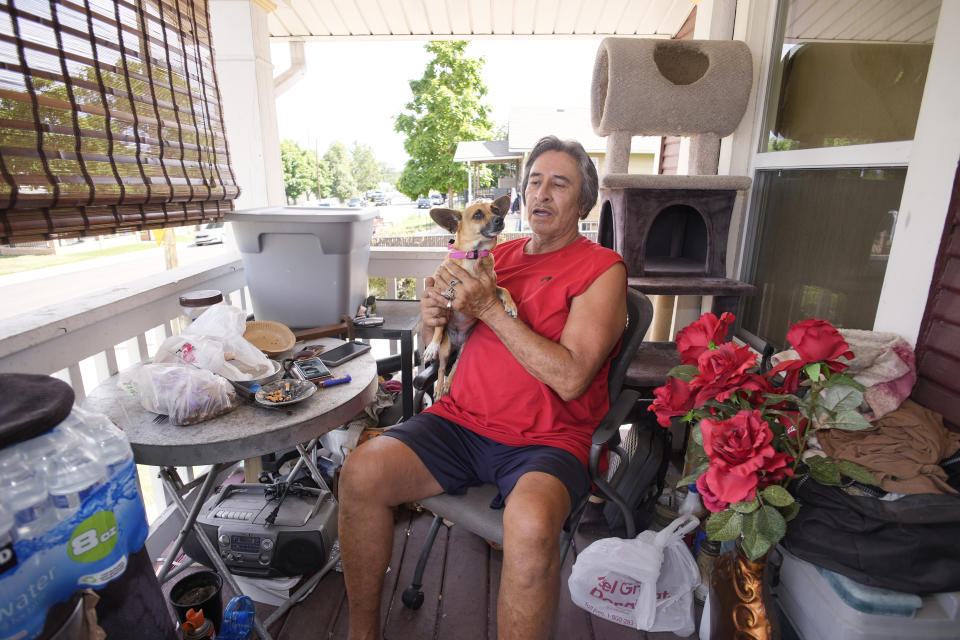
(84, 341)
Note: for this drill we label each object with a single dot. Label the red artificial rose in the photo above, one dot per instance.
(725, 370)
(817, 341)
(741, 454)
(697, 337)
(710, 501)
(814, 340)
(674, 398)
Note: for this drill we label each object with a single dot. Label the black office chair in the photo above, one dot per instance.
(472, 510)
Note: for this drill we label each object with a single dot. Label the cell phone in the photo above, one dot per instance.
(312, 369)
(338, 355)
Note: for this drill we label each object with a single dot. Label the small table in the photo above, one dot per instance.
(401, 320)
(246, 432)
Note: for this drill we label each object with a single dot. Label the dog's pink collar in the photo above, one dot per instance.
(469, 255)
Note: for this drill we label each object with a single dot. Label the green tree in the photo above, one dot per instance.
(366, 171)
(447, 108)
(339, 171)
(299, 170)
(389, 174)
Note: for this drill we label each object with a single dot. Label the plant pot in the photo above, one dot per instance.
(741, 601)
(200, 591)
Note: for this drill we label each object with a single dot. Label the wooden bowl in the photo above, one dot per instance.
(273, 338)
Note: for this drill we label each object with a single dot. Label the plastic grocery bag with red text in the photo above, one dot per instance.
(646, 583)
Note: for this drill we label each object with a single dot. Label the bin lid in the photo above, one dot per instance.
(302, 214)
(31, 405)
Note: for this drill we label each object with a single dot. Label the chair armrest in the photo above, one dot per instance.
(609, 427)
(426, 376)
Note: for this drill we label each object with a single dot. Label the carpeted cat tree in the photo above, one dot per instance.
(670, 229)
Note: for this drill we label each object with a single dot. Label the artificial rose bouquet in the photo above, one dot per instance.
(750, 429)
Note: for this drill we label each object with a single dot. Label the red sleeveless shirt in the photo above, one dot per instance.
(492, 394)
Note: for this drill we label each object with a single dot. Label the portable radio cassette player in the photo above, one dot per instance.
(238, 523)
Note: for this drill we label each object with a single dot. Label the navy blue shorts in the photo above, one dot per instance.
(459, 458)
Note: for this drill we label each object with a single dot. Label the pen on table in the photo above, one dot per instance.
(335, 381)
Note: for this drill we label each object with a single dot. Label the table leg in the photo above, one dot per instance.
(406, 372)
(212, 553)
(171, 484)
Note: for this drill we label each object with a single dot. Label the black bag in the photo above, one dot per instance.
(909, 545)
(649, 446)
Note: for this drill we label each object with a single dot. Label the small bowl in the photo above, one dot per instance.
(270, 377)
(273, 338)
(298, 390)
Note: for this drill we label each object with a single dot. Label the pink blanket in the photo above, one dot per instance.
(885, 364)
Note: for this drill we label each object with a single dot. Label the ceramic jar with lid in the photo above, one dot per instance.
(194, 303)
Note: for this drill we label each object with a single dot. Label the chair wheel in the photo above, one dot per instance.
(412, 598)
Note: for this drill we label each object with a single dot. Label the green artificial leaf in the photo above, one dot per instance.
(685, 372)
(753, 543)
(725, 525)
(777, 398)
(790, 511)
(840, 398)
(855, 472)
(692, 478)
(776, 496)
(771, 524)
(823, 471)
(850, 420)
(813, 370)
(761, 530)
(696, 435)
(842, 379)
(746, 507)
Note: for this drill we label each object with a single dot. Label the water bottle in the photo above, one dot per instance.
(104, 440)
(39, 452)
(25, 493)
(72, 475)
(8, 558)
(237, 619)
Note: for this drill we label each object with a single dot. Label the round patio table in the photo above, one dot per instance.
(245, 432)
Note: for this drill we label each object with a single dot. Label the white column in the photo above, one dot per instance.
(245, 76)
(927, 188)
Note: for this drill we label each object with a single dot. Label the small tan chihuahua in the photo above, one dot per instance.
(476, 230)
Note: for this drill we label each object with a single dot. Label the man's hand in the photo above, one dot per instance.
(433, 306)
(474, 296)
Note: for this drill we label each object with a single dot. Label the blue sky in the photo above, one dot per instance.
(352, 90)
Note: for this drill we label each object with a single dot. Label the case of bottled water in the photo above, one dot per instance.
(70, 514)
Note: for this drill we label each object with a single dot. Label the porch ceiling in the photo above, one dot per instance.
(874, 20)
(332, 19)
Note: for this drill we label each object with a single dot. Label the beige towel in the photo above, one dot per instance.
(902, 450)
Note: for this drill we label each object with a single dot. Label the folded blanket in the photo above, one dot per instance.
(885, 364)
(903, 450)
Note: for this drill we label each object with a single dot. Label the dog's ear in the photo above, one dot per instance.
(446, 218)
(501, 206)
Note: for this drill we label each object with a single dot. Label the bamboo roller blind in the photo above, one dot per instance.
(110, 118)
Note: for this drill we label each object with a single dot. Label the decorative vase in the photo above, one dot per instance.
(741, 603)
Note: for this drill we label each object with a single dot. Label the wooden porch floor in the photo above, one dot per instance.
(460, 589)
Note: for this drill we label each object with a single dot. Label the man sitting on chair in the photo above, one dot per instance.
(526, 397)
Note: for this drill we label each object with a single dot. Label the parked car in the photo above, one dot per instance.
(211, 233)
(357, 202)
(424, 203)
(438, 198)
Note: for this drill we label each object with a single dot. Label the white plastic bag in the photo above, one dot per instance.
(646, 583)
(186, 394)
(215, 342)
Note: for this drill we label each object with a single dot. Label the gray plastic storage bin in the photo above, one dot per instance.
(305, 267)
(816, 612)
